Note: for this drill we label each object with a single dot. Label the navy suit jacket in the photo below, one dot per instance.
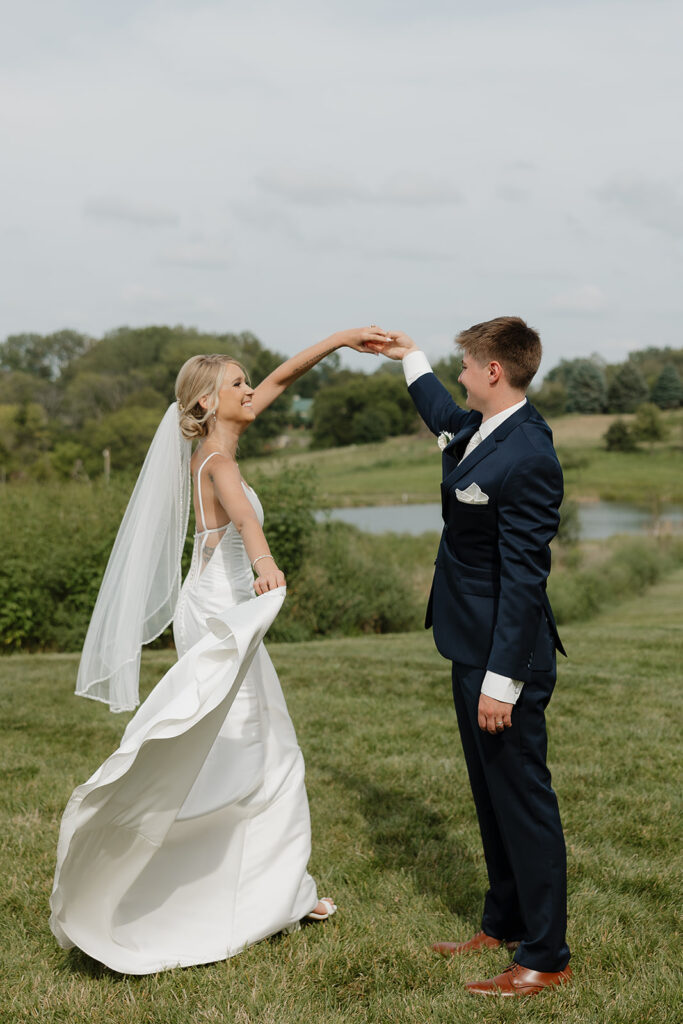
(488, 605)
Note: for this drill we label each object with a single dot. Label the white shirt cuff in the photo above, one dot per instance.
(415, 364)
(501, 687)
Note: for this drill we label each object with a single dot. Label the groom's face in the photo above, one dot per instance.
(475, 379)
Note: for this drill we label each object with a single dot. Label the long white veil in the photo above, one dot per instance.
(141, 584)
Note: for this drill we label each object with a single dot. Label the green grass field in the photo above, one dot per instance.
(395, 840)
(408, 469)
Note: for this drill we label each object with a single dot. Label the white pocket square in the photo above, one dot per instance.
(472, 495)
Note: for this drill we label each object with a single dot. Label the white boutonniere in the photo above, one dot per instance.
(444, 438)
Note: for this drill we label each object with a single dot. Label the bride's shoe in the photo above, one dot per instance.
(317, 915)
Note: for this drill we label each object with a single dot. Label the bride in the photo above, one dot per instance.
(192, 840)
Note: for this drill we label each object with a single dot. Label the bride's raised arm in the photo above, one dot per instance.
(280, 379)
(225, 476)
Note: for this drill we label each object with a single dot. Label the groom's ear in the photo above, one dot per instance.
(496, 372)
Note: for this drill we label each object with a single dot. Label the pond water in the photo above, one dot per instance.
(598, 519)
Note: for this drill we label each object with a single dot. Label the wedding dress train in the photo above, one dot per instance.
(192, 840)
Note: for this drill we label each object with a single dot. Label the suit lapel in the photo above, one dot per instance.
(450, 456)
(452, 466)
(456, 446)
(480, 452)
(487, 446)
(462, 436)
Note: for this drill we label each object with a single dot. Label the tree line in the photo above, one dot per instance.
(593, 386)
(66, 397)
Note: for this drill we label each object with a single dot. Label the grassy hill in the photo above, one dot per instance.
(408, 469)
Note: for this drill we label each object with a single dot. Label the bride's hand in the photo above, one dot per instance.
(270, 579)
(359, 337)
(395, 345)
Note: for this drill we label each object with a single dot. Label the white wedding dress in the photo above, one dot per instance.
(192, 840)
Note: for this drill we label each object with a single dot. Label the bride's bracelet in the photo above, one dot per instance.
(253, 564)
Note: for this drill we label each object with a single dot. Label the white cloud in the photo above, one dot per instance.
(329, 188)
(151, 303)
(512, 193)
(139, 295)
(585, 300)
(129, 211)
(655, 204)
(198, 254)
(267, 217)
(415, 253)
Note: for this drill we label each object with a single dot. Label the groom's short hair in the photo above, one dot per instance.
(508, 340)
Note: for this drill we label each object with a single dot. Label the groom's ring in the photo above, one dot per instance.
(499, 725)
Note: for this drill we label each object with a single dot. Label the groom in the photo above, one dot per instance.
(501, 492)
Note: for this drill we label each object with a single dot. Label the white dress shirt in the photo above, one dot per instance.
(415, 364)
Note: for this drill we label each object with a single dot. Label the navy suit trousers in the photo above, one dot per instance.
(519, 821)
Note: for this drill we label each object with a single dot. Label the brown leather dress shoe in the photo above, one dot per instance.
(476, 944)
(519, 981)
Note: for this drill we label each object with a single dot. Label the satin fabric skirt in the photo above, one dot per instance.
(192, 840)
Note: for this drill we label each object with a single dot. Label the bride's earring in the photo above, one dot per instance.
(214, 417)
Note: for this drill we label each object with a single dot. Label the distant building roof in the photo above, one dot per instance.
(302, 405)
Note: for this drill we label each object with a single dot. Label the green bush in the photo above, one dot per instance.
(56, 540)
(569, 531)
(572, 458)
(66, 459)
(550, 398)
(648, 424)
(362, 409)
(289, 500)
(632, 565)
(618, 437)
(347, 587)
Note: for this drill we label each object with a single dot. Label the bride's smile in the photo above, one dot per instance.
(235, 396)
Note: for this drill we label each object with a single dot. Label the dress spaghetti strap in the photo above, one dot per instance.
(205, 550)
(199, 494)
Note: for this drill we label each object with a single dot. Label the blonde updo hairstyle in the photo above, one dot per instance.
(199, 377)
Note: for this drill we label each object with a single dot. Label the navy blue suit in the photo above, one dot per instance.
(489, 611)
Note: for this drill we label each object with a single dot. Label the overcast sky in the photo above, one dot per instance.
(292, 168)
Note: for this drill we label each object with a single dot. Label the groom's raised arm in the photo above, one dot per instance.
(434, 402)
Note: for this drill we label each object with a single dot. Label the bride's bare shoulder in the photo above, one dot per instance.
(217, 457)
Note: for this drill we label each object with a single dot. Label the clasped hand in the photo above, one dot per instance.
(392, 344)
(362, 339)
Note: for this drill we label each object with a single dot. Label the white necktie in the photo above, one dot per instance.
(472, 444)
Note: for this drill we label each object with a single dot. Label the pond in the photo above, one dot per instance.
(598, 519)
